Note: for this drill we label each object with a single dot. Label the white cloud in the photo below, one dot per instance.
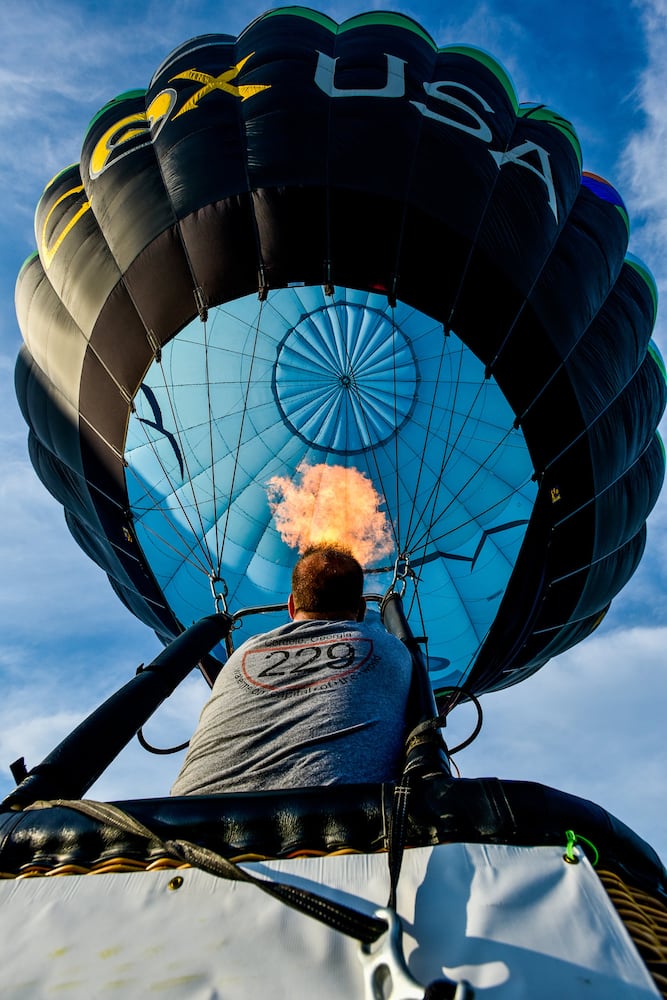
(31, 735)
(51, 686)
(591, 723)
(646, 153)
(44, 572)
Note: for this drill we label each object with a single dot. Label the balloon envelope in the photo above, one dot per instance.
(324, 247)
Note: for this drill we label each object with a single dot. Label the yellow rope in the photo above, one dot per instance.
(645, 918)
(122, 864)
(108, 866)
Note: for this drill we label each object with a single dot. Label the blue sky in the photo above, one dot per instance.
(592, 721)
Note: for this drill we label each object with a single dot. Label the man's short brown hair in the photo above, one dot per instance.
(328, 579)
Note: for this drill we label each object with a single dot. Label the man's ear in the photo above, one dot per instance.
(361, 613)
(290, 606)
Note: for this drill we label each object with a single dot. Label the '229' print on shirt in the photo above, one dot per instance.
(290, 667)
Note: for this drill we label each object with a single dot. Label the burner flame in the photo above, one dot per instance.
(332, 504)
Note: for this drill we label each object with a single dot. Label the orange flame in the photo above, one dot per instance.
(331, 504)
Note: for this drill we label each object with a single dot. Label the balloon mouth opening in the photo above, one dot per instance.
(303, 419)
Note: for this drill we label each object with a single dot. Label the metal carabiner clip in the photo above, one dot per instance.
(402, 572)
(219, 596)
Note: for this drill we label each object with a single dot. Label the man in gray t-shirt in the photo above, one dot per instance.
(320, 700)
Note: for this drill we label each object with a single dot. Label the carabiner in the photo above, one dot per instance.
(219, 597)
(402, 572)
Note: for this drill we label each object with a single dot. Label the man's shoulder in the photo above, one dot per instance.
(315, 629)
(267, 638)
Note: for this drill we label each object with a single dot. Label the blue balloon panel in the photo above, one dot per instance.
(266, 389)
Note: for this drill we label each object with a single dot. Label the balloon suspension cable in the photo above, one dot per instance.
(219, 593)
(447, 699)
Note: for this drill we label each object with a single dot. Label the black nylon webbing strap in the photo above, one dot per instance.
(396, 845)
(421, 747)
(339, 917)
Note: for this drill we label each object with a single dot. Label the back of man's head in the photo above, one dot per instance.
(328, 581)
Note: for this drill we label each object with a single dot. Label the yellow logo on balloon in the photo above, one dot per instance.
(222, 82)
(49, 248)
(141, 123)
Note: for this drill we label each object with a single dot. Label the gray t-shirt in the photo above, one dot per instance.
(309, 703)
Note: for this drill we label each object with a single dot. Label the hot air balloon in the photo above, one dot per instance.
(313, 247)
(337, 261)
